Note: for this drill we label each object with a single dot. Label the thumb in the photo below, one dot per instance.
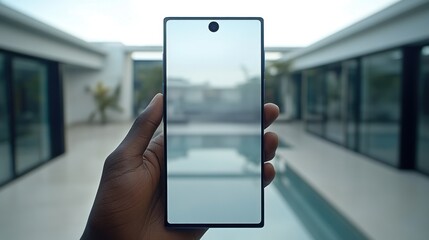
(140, 134)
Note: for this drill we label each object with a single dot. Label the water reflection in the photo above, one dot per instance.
(181, 147)
(214, 178)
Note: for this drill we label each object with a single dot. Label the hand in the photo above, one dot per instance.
(129, 202)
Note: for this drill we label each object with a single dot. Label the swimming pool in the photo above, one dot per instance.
(293, 210)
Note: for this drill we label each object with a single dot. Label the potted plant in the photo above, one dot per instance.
(104, 99)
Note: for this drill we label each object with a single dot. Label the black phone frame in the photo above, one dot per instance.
(164, 91)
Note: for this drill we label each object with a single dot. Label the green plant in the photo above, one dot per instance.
(104, 99)
(150, 83)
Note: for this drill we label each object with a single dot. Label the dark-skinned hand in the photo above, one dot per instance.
(130, 200)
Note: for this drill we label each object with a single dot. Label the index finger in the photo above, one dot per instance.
(271, 112)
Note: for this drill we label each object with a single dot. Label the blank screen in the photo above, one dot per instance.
(213, 121)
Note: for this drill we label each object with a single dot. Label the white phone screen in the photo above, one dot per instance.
(213, 90)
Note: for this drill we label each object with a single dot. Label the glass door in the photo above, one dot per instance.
(315, 116)
(380, 106)
(335, 116)
(30, 90)
(423, 113)
(6, 171)
(351, 80)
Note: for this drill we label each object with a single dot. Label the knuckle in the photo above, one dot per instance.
(141, 119)
(144, 119)
(113, 158)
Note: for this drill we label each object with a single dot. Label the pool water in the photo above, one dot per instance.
(280, 223)
(292, 209)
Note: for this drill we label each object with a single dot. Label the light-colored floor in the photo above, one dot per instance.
(382, 201)
(53, 201)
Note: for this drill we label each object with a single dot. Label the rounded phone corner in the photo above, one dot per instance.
(167, 224)
(261, 224)
(166, 19)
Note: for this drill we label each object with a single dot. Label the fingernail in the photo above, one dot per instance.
(153, 100)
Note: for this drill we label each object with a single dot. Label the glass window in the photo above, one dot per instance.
(335, 124)
(315, 101)
(350, 77)
(147, 82)
(380, 106)
(30, 90)
(5, 144)
(291, 94)
(423, 113)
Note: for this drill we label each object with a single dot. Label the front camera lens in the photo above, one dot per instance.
(213, 26)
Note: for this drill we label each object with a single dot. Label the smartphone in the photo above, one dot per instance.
(213, 121)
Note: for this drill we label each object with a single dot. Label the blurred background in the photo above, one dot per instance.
(351, 79)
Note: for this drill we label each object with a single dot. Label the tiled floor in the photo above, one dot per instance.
(53, 201)
(385, 203)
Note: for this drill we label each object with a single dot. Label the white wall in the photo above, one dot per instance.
(117, 69)
(83, 64)
(78, 104)
(23, 34)
(401, 27)
(288, 97)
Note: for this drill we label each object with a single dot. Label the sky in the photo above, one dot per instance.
(224, 58)
(290, 23)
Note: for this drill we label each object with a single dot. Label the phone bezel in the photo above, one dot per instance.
(164, 89)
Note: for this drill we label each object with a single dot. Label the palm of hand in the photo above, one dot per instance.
(130, 199)
(132, 206)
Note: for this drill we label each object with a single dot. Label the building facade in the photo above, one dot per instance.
(366, 87)
(43, 76)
